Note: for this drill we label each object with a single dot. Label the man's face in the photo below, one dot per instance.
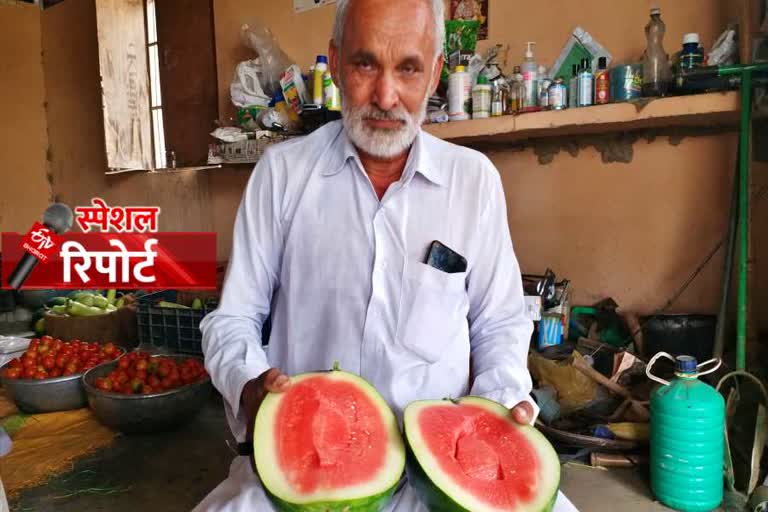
(386, 69)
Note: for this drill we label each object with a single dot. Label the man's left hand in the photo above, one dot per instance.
(522, 413)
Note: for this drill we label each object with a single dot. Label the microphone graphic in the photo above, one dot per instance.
(59, 218)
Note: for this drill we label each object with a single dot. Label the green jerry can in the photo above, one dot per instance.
(687, 437)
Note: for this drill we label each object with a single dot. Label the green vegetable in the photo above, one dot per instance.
(111, 295)
(84, 299)
(100, 302)
(76, 308)
(56, 301)
(173, 305)
(110, 308)
(197, 303)
(120, 303)
(59, 310)
(40, 326)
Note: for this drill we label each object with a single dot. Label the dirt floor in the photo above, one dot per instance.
(174, 471)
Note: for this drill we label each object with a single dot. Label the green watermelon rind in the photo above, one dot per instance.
(372, 503)
(436, 499)
(375, 503)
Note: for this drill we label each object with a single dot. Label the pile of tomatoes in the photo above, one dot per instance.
(139, 374)
(47, 357)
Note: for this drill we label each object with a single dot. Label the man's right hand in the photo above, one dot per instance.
(254, 391)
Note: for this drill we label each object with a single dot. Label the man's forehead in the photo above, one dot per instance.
(404, 25)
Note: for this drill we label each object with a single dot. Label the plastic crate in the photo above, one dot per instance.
(177, 330)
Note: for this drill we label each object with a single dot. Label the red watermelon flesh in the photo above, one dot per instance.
(482, 453)
(329, 434)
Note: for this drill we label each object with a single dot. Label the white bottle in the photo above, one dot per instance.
(459, 90)
(321, 66)
(529, 69)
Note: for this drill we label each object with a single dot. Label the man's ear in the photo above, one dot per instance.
(436, 72)
(333, 63)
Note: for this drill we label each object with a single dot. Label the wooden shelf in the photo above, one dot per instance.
(701, 110)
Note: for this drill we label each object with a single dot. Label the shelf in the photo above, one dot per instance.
(701, 110)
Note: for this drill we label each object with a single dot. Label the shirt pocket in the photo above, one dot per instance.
(433, 310)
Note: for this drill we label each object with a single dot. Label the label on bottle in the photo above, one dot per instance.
(585, 89)
(602, 88)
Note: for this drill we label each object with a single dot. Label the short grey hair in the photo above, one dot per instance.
(438, 16)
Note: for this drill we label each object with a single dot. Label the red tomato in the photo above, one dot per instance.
(71, 368)
(49, 362)
(40, 375)
(29, 372)
(124, 362)
(43, 349)
(56, 372)
(46, 339)
(167, 383)
(121, 377)
(34, 342)
(126, 389)
(15, 363)
(104, 384)
(153, 381)
(12, 373)
(61, 361)
(147, 390)
(142, 364)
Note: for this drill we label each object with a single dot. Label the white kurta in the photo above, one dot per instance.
(342, 274)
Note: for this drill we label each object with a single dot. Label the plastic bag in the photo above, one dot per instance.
(272, 58)
(246, 90)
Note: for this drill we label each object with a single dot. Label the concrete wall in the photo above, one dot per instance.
(25, 192)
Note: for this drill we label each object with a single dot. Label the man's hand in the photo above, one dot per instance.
(254, 391)
(522, 413)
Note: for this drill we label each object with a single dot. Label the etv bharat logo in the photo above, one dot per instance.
(40, 242)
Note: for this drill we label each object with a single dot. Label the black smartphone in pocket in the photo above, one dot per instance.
(442, 257)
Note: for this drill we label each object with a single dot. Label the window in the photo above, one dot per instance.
(155, 93)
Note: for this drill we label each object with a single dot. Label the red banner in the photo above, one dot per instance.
(148, 261)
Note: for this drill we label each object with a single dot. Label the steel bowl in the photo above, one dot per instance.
(48, 395)
(145, 413)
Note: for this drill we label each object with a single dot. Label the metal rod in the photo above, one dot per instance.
(744, 164)
(730, 249)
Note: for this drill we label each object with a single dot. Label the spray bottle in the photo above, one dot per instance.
(529, 69)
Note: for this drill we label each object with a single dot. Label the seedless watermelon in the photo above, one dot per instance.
(329, 443)
(470, 455)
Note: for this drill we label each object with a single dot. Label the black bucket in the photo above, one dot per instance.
(690, 335)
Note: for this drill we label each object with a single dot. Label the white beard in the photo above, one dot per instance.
(377, 142)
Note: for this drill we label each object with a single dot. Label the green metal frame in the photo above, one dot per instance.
(745, 159)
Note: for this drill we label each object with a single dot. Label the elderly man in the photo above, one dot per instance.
(331, 238)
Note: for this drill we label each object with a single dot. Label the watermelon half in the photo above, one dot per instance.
(329, 443)
(470, 455)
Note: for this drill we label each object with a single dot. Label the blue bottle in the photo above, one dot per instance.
(687, 438)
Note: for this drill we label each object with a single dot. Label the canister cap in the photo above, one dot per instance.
(322, 59)
(482, 80)
(458, 69)
(686, 364)
(691, 38)
(655, 10)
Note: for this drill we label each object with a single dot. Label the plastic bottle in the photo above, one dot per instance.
(530, 69)
(692, 55)
(516, 91)
(481, 98)
(331, 93)
(544, 83)
(459, 90)
(321, 66)
(687, 442)
(573, 87)
(586, 84)
(657, 75)
(602, 82)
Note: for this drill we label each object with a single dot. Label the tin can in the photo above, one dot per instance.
(558, 95)
(626, 82)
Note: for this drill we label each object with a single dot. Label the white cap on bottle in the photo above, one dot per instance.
(691, 38)
(529, 49)
(655, 10)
